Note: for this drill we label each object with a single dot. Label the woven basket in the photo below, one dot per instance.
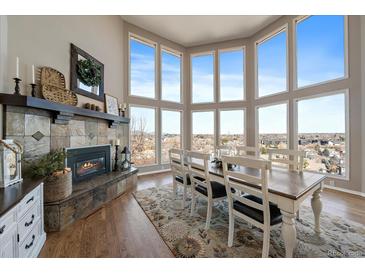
(50, 76)
(53, 87)
(59, 95)
(58, 187)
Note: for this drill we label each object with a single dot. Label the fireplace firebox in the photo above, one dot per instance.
(87, 162)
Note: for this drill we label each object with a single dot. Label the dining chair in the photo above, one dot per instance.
(179, 172)
(247, 151)
(201, 183)
(254, 206)
(293, 159)
(224, 150)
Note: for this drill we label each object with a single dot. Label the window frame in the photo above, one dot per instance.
(214, 125)
(295, 22)
(157, 145)
(345, 92)
(181, 56)
(149, 43)
(283, 28)
(244, 109)
(243, 48)
(257, 120)
(192, 55)
(181, 130)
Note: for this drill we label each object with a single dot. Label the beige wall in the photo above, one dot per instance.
(45, 41)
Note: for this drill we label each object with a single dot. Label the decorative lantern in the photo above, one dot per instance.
(126, 158)
(10, 162)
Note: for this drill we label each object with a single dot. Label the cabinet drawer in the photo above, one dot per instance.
(26, 224)
(28, 201)
(6, 222)
(30, 241)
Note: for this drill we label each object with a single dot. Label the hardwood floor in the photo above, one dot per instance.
(121, 229)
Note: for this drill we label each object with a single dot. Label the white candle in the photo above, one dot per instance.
(33, 75)
(124, 106)
(117, 142)
(17, 67)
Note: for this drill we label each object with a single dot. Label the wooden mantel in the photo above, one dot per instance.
(62, 113)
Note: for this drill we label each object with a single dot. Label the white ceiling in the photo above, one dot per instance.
(193, 30)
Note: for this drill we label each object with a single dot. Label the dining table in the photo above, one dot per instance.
(287, 189)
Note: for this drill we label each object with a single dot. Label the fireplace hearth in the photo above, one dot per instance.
(87, 162)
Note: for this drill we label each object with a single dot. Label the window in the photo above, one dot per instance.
(272, 65)
(202, 78)
(322, 133)
(231, 75)
(231, 123)
(142, 68)
(142, 134)
(320, 42)
(171, 76)
(273, 132)
(170, 132)
(203, 131)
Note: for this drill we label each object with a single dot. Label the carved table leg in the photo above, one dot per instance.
(289, 233)
(317, 208)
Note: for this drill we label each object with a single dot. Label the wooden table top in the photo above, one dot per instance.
(281, 181)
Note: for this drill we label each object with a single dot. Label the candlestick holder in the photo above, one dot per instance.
(116, 158)
(33, 89)
(17, 88)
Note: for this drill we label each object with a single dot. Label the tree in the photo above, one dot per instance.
(138, 129)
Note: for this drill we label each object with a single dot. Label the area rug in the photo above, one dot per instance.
(186, 237)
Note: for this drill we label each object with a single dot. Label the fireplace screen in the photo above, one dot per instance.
(87, 162)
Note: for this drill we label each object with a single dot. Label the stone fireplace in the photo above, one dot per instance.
(86, 162)
(42, 126)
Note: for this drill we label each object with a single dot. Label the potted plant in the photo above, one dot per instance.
(57, 178)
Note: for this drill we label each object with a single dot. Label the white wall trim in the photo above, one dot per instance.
(357, 193)
(153, 172)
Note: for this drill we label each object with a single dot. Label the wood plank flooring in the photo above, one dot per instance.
(121, 229)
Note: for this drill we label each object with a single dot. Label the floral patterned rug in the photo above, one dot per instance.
(186, 237)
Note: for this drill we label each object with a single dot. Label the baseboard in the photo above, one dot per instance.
(357, 193)
(154, 172)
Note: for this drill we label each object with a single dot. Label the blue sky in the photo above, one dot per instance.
(203, 80)
(171, 65)
(231, 75)
(320, 47)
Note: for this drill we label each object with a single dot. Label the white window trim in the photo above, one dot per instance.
(214, 125)
(157, 147)
(182, 146)
(257, 121)
(192, 55)
(181, 56)
(243, 48)
(149, 43)
(295, 70)
(244, 122)
(283, 28)
(347, 128)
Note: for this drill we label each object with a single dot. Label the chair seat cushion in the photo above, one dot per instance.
(217, 189)
(256, 214)
(181, 180)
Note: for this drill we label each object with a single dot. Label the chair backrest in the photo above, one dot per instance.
(247, 151)
(177, 162)
(198, 166)
(292, 158)
(224, 150)
(250, 176)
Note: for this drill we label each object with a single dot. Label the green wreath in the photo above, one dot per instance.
(88, 72)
